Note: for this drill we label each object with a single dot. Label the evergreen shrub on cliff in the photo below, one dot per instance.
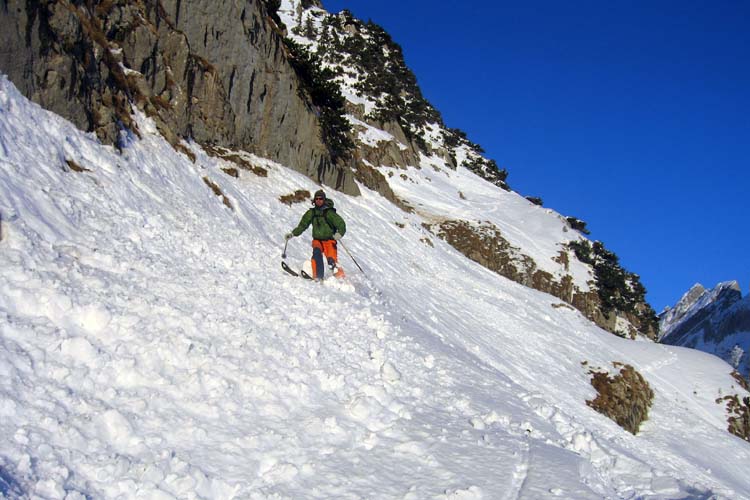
(618, 289)
(325, 95)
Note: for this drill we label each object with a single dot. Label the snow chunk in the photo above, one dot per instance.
(114, 428)
(80, 350)
(389, 373)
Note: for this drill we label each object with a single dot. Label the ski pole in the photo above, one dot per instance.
(350, 256)
(283, 254)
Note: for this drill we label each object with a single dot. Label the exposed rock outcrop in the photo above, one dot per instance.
(738, 411)
(212, 71)
(625, 398)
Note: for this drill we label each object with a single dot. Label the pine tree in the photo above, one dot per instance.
(309, 28)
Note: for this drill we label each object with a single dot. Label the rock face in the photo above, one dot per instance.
(212, 71)
(715, 321)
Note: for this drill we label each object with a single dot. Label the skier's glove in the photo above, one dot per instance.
(337, 236)
(288, 236)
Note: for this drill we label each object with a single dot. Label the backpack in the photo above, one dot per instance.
(325, 218)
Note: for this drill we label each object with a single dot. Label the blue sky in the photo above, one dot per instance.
(631, 115)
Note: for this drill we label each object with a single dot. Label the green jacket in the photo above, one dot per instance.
(325, 221)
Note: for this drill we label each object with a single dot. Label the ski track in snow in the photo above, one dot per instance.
(152, 348)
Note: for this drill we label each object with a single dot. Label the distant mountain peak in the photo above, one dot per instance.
(697, 299)
(686, 301)
(692, 295)
(713, 321)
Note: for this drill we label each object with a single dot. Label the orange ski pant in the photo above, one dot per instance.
(323, 249)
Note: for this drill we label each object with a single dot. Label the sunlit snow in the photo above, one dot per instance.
(152, 347)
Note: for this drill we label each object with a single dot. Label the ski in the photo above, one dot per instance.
(288, 269)
(291, 271)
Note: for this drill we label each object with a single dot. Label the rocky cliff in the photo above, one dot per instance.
(215, 72)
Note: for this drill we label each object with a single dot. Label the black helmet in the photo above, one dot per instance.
(320, 194)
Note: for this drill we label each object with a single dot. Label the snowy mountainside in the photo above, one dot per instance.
(151, 347)
(399, 136)
(274, 87)
(715, 321)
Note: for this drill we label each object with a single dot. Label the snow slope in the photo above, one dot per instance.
(151, 347)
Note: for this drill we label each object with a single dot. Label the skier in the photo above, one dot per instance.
(328, 228)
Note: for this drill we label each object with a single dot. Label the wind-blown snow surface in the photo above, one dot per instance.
(152, 347)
